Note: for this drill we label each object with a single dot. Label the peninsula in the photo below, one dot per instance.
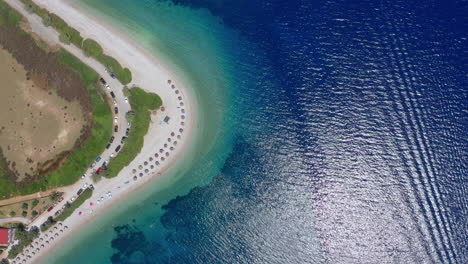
(136, 115)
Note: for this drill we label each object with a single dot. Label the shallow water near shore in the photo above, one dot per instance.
(329, 132)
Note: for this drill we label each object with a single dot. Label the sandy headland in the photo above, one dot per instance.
(169, 132)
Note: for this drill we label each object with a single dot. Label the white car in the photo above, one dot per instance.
(126, 100)
(115, 119)
(73, 198)
(85, 186)
(83, 176)
(108, 87)
(115, 102)
(112, 155)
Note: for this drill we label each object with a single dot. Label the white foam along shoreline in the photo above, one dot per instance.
(149, 74)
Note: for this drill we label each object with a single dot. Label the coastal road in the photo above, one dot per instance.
(51, 36)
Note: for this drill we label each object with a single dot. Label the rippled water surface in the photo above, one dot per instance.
(348, 122)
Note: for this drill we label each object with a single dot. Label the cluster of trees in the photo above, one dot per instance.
(69, 35)
(24, 237)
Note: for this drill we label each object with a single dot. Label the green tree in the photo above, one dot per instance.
(35, 202)
(24, 213)
(55, 196)
(24, 206)
(34, 213)
(12, 213)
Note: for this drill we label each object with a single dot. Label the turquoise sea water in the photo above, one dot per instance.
(191, 48)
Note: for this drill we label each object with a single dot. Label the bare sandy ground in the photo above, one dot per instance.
(35, 126)
(164, 143)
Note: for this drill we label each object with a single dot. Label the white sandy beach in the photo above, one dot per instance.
(164, 143)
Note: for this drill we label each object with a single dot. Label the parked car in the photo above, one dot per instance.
(108, 87)
(61, 199)
(50, 209)
(98, 159)
(112, 94)
(116, 110)
(102, 80)
(126, 100)
(115, 119)
(108, 146)
(116, 128)
(98, 170)
(127, 131)
(112, 139)
(123, 139)
(79, 191)
(115, 102)
(112, 75)
(117, 148)
(83, 176)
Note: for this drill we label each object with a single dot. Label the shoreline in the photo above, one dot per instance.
(140, 62)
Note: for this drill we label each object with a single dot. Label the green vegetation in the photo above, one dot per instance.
(13, 17)
(24, 206)
(35, 202)
(79, 161)
(24, 213)
(142, 103)
(90, 47)
(123, 74)
(72, 207)
(65, 38)
(47, 21)
(12, 213)
(24, 237)
(8, 15)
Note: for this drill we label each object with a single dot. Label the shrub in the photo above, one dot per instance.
(24, 213)
(12, 213)
(13, 17)
(91, 48)
(24, 206)
(34, 203)
(75, 36)
(58, 23)
(47, 21)
(65, 38)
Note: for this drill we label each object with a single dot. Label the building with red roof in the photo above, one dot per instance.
(4, 237)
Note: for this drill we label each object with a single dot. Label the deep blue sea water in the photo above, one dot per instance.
(346, 126)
